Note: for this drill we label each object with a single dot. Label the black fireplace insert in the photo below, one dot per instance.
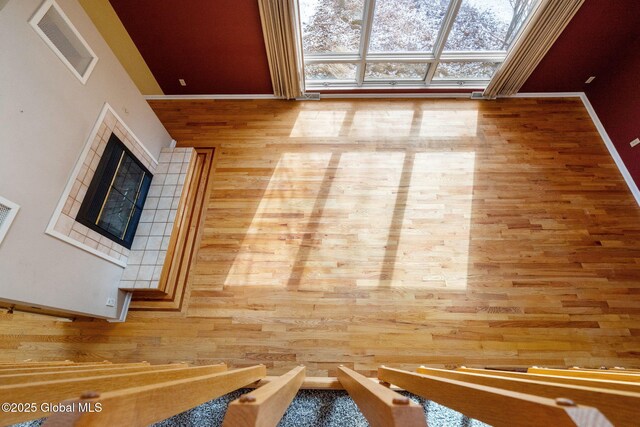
(115, 198)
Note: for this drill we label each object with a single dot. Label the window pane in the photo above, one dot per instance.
(331, 25)
(406, 25)
(465, 70)
(390, 70)
(330, 72)
(488, 24)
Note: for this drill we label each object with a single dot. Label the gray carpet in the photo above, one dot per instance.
(316, 408)
(310, 408)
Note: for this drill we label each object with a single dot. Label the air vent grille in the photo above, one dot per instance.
(8, 211)
(56, 30)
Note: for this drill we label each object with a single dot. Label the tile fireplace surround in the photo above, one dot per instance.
(143, 263)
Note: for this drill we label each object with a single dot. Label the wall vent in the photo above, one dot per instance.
(57, 31)
(8, 211)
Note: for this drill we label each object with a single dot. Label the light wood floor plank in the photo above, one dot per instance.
(398, 232)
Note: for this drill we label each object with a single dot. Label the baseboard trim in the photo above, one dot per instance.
(193, 97)
(545, 95)
(394, 95)
(612, 149)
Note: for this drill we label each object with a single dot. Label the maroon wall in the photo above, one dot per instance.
(215, 45)
(585, 48)
(615, 96)
(601, 40)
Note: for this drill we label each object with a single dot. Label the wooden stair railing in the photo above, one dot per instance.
(138, 394)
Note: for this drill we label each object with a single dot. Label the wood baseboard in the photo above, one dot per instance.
(184, 242)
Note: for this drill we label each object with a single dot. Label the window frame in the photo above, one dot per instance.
(35, 20)
(431, 59)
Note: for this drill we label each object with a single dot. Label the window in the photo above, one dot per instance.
(113, 203)
(53, 26)
(410, 43)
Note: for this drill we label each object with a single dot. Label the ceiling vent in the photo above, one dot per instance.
(8, 211)
(54, 27)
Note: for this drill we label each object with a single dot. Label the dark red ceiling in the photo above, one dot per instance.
(215, 45)
(598, 31)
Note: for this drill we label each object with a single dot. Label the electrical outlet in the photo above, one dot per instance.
(635, 142)
(111, 302)
(590, 79)
(182, 82)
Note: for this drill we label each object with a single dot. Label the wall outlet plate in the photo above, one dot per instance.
(590, 79)
(635, 142)
(111, 302)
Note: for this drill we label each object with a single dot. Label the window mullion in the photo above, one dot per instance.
(443, 35)
(367, 23)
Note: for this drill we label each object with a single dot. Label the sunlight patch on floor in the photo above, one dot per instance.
(270, 246)
(318, 124)
(381, 123)
(433, 250)
(449, 123)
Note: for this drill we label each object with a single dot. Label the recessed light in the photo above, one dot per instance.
(182, 82)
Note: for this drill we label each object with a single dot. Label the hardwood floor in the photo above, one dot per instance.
(404, 232)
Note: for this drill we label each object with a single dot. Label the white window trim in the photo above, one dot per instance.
(34, 24)
(4, 228)
(432, 59)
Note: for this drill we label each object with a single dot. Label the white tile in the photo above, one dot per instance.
(162, 215)
(149, 257)
(175, 203)
(184, 168)
(162, 255)
(65, 224)
(154, 243)
(151, 203)
(159, 179)
(135, 258)
(74, 209)
(172, 215)
(165, 202)
(157, 229)
(168, 190)
(91, 243)
(147, 215)
(145, 272)
(131, 272)
(80, 228)
(175, 168)
(171, 179)
(178, 156)
(165, 243)
(182, 179)
(168, 229)
(157, 271)
(127, 284)
(161, 169)
(141, 284)
(155, 191)
(144, 229)
(165, 156)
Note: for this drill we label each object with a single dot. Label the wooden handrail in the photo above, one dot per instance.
(59, 390)
(141, 406)
(381, 406)
(52, 376)
(265, 406)
(586, 382)
(493, 405)
(602, 375)
(618, 406)
(62, 368)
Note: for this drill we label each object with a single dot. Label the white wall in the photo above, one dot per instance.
(46, 115)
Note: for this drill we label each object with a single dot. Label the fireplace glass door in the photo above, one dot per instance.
(114, 201)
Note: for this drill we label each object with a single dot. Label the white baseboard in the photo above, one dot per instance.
(230, 97)
(612, 149)
(545, 95)
(124, 310)
(394, 95)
